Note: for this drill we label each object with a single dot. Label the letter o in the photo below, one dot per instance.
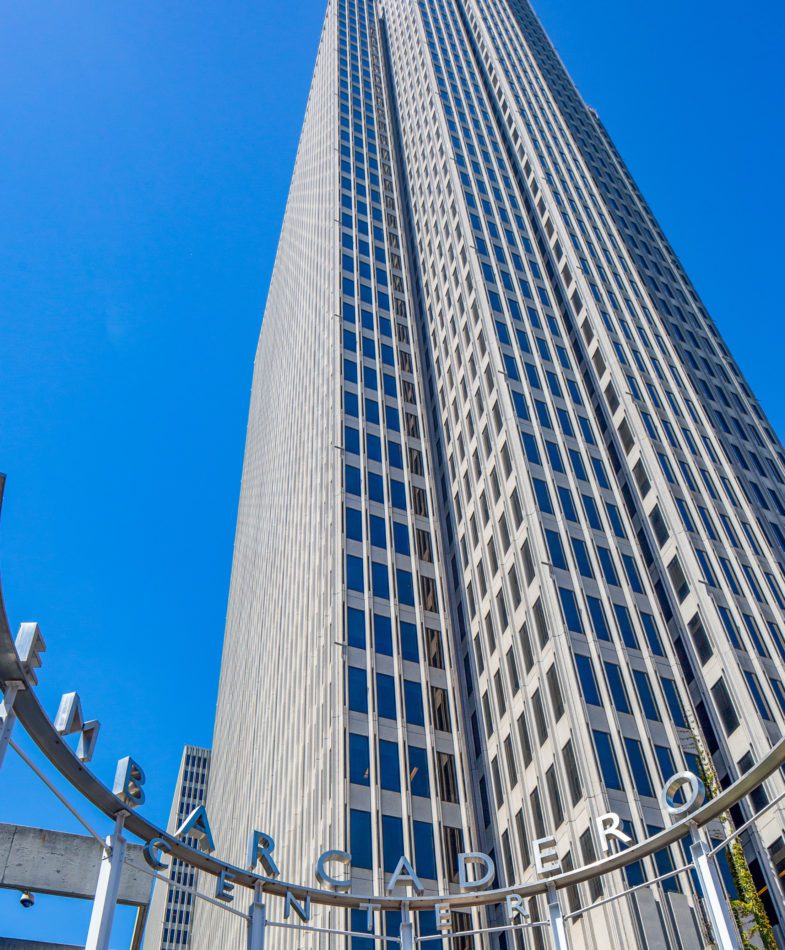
(694, 797)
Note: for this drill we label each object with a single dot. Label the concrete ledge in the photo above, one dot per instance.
(55, 862)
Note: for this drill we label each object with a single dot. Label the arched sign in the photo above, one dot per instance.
(682, 797)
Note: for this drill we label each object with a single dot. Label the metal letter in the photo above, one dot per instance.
(516, 907)
(479, 883)
(443, 916)
(30, 645)
(257, 921)
(692, 799)
(224, 887)
(69, 717)
(148, 853)
(405, 874)
(544, 849)
(260, 849)
(107, 889)
(338, 884)
(609, 825)
(558, 935)
(715, 901)
(87, 740)
(291, 904)
(197, 826)
(128, 781)
(371, 910)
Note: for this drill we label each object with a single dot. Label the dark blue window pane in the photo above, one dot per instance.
(374, 448)
(396, 458)
(355, 576)
(382, 630)
(381, 580)
(409, 647)
(418, 771)
(385, 696)
(606, 760)
(389, 769)
(398, 493)
(618, 692)
(640, 775)
(378, 532)
(625, 626)
(354, 483)
(360, 838)
(358, 690)
(570, 608)
(392, 842)
(359, 924)
(646, 696)
(354, 524)
(351, 439)
(424, 855)
(598, 620)
(359, 760)
(355, 628)
(376, 487)
(587, 680)
(401, 535)
(412, 694)
(405, 587)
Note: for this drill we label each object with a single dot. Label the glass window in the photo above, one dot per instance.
(380, 579)
(640, 775)
(606, 759)
(354, 524)
(586, 678)
(618, 692)
(646, 696)
(598, 620)
(382, 629)
(360, 839)
(389, 770)
(625, 626)
(425, 856)
(409, 647)
(673, 701)
(392, 842)
(418, 771)
(385, 696)
(355, 628)
(570, 608)
(412, 695)
(378, 532)
(358, 690)
(665, 761)
(359, 760)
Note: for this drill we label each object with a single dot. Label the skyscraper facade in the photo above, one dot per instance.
(511, 533)
(171, 916)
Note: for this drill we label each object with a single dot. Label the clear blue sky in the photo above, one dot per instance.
(147, 149)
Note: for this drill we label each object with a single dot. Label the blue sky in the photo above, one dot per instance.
(147, 150)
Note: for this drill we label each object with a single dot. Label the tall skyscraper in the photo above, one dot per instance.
(170, 920)
(511, 534)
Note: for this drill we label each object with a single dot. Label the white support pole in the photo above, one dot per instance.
(717, 905)
(407, 929)
(257, 921)
(107, 889)
(558, 933)
(7, 715)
